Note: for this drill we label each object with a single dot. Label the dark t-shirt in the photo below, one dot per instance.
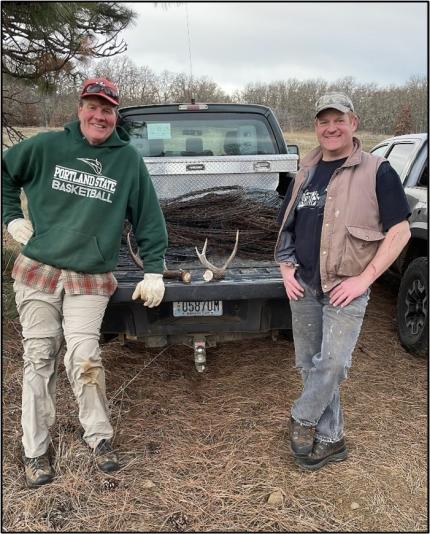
(309, 213)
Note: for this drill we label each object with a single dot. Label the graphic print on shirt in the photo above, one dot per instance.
(84, 184)
(312, 199)
(93, 163)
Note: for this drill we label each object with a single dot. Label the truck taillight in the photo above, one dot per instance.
(192, 107)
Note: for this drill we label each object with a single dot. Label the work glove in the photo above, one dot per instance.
(150, 290)
(21, 230)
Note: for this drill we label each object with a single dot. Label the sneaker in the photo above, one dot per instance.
(301, 438)
(323, 453)
(38, 471)
(106, 458)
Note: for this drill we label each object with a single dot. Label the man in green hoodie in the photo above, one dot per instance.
(80, 185)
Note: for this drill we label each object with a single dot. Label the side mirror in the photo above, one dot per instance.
(293, 149)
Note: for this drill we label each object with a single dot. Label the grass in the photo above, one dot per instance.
(306, 139)
(202, 453)
(27, 131)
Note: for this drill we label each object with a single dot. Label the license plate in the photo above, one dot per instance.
(206, 308)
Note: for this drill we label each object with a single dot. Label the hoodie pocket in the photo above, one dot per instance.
(361, 245)
(67, 249)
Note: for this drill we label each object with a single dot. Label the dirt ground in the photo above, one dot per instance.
(209, 452)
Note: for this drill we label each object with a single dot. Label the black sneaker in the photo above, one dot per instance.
(38, 471)
(323, 453)
(106, 458)
(301, 438)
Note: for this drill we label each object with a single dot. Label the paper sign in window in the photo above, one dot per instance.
(159, 130)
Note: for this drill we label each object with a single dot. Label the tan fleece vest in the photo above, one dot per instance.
(352, 230)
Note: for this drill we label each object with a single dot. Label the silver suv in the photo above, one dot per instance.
(408, 155)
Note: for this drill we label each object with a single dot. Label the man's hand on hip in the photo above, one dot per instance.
(150, 290)
(21, 230)
(348, 290)
(292, 287)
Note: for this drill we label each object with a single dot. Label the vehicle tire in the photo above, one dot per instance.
(412, 308)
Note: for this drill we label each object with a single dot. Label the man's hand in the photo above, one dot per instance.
(351, 288)
(150, 290)
(348, 290)
(292, 287)
(21, 230)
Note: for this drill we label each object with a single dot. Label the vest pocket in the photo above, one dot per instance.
(361, 245)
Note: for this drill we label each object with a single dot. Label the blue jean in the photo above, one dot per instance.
(324, 339)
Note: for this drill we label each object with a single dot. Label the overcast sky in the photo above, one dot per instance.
(234, 43)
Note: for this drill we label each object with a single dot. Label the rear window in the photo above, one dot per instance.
(200, 134)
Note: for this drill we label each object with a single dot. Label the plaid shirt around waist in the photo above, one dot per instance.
(45, 278)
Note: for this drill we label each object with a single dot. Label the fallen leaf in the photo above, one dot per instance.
(148, 484)
(276, 497)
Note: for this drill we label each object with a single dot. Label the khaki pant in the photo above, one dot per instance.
(46, 320)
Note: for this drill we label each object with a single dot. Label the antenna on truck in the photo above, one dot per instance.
(193, 100)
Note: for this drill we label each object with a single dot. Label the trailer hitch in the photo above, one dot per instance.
(199, 345)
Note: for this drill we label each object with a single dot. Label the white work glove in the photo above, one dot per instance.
(21, 230)
(150, 290)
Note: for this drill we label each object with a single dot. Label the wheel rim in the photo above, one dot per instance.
(416, 307)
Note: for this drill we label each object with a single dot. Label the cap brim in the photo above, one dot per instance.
(338, 107)
(101, 95)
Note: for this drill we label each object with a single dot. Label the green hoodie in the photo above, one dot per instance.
(78, 197)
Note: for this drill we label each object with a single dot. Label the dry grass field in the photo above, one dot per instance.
(202, 453)
(305, 139)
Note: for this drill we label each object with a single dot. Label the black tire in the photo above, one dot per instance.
(412, 308)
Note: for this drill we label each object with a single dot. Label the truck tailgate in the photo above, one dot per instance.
(249, 279)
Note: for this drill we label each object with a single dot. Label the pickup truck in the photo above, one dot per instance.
(408, 154)
(191, 150)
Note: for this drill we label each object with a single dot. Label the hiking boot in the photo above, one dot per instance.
(301, 438)
(323, 453)
(106, 458)
(38, 471)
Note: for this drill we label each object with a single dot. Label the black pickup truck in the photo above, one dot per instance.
(192, 151)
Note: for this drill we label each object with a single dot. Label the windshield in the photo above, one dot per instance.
(200, 134)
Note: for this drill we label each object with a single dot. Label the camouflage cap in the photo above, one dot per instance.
(338, 101)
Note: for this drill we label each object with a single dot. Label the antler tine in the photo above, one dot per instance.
(204, 261)
(137, 260)
(217, 271)
(185, 276)
(233, 254)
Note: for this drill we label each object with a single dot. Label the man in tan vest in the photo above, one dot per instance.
(343, 223)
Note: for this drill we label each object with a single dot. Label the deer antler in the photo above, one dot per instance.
(137, 259)
(185, 276)
(214, 271)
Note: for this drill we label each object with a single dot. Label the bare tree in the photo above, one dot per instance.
(403, 123)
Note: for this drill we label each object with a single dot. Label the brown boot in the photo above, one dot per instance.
(106, 458)
(38, 471)
(323, 453)
(301, 438)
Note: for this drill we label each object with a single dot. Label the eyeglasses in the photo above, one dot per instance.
(95, 88)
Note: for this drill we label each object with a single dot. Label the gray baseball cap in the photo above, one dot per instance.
(338, 101)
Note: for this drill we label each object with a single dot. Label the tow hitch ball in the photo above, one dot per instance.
(200, 355)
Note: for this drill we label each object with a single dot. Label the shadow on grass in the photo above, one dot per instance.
(8, 296)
